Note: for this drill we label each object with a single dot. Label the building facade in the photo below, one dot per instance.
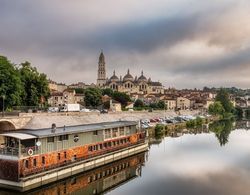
(128, 83)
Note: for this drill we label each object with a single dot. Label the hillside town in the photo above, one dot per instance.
(142, 88)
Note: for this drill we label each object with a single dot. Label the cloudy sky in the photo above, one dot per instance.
(181, 43)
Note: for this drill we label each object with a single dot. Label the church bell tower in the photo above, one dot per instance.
(101, 75)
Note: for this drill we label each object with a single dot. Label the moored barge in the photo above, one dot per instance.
(32, 158)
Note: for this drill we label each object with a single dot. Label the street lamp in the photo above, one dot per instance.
(3, 97)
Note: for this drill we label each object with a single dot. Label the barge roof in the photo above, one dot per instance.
(49, 132)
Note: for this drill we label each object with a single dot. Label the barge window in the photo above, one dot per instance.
(43, 160)
(34, 162)
(65, 154)
(122, 132)
(107, 133)
(105, 145)
(26, 164)
(115, 132)
(58, 156)
(90, 148)
(109, 144)
(100, 146)
(63, 137)
(50, 139)
(95, 132)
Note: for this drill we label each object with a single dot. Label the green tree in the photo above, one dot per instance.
(121, 97)
(222, 130)
(138, 103)
(35, 84)
(223, 97)
(216, 109)
(79, 90)
(10, 84)
(107, 91)
(161, 104)
(93, 97)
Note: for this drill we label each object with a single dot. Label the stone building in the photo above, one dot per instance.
(127, 83)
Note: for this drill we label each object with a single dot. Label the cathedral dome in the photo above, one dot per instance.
(142, 78)
(128, 77)
(114, 78)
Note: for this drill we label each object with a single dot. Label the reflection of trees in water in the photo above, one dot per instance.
(222, 130)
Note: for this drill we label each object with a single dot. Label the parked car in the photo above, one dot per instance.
(53, 109)
(103, 111)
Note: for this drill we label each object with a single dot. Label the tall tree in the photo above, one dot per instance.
(93, 97)
(138, 103)
(35, 85)
(223, 97)
(121, 97)
(10, 84)
(107, 91)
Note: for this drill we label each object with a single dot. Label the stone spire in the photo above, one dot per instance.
(101, 75)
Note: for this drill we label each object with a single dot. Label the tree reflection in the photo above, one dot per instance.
(222, 130)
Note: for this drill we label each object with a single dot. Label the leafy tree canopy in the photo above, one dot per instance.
(223, 97)
(93, 97)
(35, 85)
(138, 103)
(10, 83)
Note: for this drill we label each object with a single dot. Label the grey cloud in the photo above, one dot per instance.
(59, 42)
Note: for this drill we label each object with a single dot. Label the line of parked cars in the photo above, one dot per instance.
(146, 123)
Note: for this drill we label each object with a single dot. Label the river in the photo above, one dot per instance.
(212, 160)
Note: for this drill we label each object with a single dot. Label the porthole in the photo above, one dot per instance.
(76, 138)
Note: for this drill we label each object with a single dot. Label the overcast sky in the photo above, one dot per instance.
(181, 43)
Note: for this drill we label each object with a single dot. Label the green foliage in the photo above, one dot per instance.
(161, 104)
(35, 85)
(222, 130)
(216, 108)
(10, 84)
(159, 129)
(79, 90)
(93, 97)
(138, 103)
(194, 123)
(107, 91)
(121, 97)
(223, 97)
(198, 121)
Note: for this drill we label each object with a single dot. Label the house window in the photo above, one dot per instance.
(50, 139)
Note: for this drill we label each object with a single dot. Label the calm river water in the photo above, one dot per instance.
(213, 160)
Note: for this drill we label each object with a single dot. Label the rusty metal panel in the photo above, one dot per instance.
(9, 170)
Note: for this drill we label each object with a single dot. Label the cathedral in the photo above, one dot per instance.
(128, 83)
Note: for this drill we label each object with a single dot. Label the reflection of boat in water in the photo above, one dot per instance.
(96, 181)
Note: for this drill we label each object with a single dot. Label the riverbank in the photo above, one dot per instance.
(45, 120)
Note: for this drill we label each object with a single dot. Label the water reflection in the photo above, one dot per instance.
(222, 130)
(100, 180)
(191, 162)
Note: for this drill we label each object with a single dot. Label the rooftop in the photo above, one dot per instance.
(49, 132)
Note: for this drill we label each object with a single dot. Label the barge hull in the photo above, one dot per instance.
(47, 177)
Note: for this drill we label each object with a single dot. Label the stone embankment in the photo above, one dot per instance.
(45, 120)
